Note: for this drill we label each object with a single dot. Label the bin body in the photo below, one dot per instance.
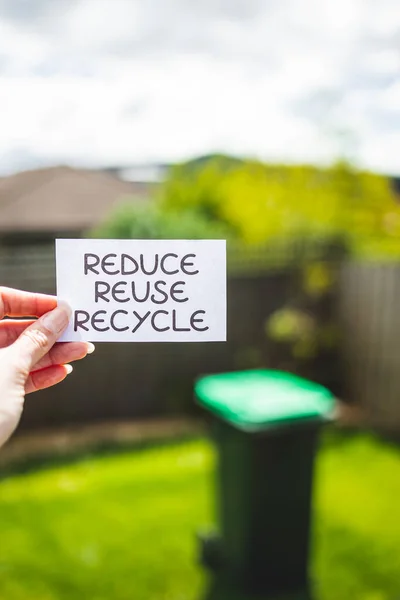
(265, 475)
(263, 502)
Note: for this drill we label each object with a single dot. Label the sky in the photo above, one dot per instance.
(98, 83)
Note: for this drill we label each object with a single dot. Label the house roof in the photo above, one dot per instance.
(61, 199)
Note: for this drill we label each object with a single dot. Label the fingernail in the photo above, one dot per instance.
(65, 305)
(90, 347)
(68, 368)
(56, 320)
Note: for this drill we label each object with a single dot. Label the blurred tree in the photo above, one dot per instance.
(133, 221)
(258, 202)
(254, 203)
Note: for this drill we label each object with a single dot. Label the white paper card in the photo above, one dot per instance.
(143, 290)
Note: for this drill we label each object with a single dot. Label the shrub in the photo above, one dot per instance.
(148, 221)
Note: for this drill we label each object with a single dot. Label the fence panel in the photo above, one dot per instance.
(135, 380)
(28, 267)
(370, 320)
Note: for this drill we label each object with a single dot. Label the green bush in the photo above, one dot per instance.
(148, 221)
(259, 202)
(256, 204)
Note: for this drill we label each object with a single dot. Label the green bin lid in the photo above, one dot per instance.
(262, 398)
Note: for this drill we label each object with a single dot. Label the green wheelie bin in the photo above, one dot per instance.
(266, 425)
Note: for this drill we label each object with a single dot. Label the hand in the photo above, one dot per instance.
(29, 358)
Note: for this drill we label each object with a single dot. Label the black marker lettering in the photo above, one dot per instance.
(112, 320)
(134, 294)
(101, 293)
(115, 291)
(96, 319)
(80, 318)
(184, 265)
(162, 264)
(124, 269)
(173, 292)
(105, 263)
(174, 325)
(160, 329)
(154, 268)
(141, 320)
(193, 320)
(157, 288)
(90, 266)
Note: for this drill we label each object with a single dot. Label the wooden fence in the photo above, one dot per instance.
(133, 380)
(137, 380)
(28, 267)
(369, 316)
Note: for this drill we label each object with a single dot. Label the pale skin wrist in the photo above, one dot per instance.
(30, 357)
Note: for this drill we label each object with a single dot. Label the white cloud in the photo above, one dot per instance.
(98, 82)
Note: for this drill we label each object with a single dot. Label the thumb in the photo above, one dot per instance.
(37, 339)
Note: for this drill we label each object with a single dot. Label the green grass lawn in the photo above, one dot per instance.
(122, 526)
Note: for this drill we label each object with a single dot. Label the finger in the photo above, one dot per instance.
(16, 303)
(11, 330)
(64, 353)
(39, 380)
(37, 339)
(61, 353)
